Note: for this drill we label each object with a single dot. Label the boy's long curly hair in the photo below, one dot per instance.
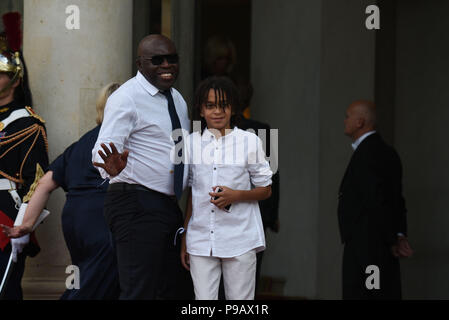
(224, 90)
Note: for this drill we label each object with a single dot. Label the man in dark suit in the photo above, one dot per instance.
(371, 211)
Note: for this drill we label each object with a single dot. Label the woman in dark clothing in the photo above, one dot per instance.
(85, 231)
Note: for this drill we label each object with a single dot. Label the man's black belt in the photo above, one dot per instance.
(122, 186)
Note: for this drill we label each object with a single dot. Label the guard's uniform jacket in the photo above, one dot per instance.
(23, 159)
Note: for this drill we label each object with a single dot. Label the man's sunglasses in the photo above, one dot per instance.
(158, 60)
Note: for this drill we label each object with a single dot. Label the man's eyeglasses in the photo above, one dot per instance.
(158, 60)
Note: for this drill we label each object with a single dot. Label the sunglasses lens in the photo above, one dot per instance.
(157, 60)
(172, 58)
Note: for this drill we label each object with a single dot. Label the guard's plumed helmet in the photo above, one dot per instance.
(10, 43)
(11, 59)
(10, 62)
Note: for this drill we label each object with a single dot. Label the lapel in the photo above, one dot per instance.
(348, 168)
(365, 144)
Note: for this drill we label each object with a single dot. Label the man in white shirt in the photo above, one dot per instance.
(141, 205)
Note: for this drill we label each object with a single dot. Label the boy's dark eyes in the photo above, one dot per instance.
(220, 105)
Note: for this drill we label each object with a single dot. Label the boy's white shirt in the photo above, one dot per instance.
(237, 161)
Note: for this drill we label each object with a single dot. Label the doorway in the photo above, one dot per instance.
(223, 32)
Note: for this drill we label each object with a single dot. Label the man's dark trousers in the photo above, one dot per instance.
(143, 224)
(355, 276)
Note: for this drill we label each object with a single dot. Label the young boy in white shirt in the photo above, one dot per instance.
(228, 174)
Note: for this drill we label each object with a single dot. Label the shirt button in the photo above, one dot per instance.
(215, 168)
(211, 232)
(213, 210)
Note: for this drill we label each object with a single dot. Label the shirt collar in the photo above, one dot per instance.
(210, 135)
(356, 143)
(146, 85)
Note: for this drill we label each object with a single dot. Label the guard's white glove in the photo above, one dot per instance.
(18, 244)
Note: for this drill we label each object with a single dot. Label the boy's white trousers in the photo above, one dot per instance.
(239, 276)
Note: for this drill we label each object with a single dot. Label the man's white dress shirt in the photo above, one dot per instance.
(136, 118)
(357, 142)
(237, 161)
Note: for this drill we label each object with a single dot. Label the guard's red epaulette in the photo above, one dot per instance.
(34, 114)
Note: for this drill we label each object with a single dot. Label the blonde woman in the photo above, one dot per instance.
(219, 56)
(85, 231)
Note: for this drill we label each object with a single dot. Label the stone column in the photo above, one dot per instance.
(347, 73)
(141, 25)
(309, 60)
(182, 33)
(67, 68)
(285, 61)
(420, 136)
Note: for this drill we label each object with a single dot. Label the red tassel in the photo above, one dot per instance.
(12, 22)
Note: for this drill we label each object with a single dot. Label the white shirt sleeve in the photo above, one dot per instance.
(259, 168)
(190, 177)
(188, 158)
(120, 118)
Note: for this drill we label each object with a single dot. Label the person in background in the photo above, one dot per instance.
(23, 154)
(85, 231)
(219, 57)
(371, 210)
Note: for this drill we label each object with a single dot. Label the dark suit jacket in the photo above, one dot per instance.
(371, 208)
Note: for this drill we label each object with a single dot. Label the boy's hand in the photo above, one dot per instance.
(185, 259)
(226, 197)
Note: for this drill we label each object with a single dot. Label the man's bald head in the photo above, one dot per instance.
(360, 118)
(151, 42)
(161, 75)
(366, 110)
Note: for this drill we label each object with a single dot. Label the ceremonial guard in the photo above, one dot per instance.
(23, 155)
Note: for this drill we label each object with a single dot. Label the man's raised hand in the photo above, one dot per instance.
(114, 162)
